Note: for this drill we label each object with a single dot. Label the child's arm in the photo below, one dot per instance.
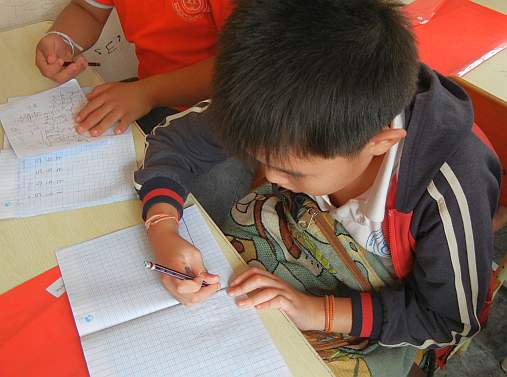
(170, 250)
(126, 102)
(81, 22)
(267, 291)
(177, 153)
(440, 301)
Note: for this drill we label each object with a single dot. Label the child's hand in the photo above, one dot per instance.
(112, 102)
(269, 291)
(176, 253)
(50, 54)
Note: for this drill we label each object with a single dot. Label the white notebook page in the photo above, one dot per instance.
(44, 122)
(85, 175)
(8, 183)
(107, 283)
(212, 339)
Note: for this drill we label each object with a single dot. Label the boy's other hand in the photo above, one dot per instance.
(174, 252)
(267, 291)
(50, 54)
(112, 102)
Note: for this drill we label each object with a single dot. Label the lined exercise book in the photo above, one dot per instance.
(130, 326)
(44, 122)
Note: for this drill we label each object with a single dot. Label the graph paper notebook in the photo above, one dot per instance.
(82, 176)
(130, 326)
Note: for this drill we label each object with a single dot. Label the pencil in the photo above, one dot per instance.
(168, 271)
(91, 64)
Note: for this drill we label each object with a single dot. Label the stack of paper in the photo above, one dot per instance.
(47, 166)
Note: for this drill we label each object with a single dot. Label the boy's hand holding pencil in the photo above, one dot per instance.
(175, 253)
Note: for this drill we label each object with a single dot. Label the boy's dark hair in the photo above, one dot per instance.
(311, 77)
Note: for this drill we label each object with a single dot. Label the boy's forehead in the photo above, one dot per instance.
(287, 163)
(278, 157)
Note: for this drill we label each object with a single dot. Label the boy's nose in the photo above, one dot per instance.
(274, 177)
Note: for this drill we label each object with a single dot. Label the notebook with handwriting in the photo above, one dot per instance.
(130, 326)
(44, 122)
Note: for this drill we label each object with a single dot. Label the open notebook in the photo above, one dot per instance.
(81, 176)
(130, 326)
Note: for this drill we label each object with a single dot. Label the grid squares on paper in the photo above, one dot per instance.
(8, 183)
(86, 175)
(130, 326)
(214, 339)
(194, 229)
(107, 283)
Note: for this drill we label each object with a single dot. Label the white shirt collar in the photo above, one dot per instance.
(373, 201)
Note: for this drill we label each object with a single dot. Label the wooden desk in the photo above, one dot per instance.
(27, 245)
(491, 75)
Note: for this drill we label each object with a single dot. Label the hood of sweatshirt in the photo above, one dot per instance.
(439, 118)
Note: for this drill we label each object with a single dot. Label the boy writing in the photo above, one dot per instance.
(175, 45)
(378, 222)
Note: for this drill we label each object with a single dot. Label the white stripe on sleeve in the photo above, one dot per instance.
(96, 4)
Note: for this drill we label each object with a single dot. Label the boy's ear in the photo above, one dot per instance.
(385, 139)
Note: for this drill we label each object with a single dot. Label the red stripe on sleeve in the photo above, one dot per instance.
(163, 192)
(367, 309)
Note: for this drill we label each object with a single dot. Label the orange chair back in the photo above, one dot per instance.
(491, 116)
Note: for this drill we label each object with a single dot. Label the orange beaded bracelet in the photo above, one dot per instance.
(325, 314)
(328, 313)
(331, 313)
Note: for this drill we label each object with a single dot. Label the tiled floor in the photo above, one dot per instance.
(490, 346)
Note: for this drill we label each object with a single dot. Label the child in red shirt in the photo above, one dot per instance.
(174, 42)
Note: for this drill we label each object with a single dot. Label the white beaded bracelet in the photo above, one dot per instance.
(68, 40)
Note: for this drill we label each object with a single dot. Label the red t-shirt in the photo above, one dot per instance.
(170, 34)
